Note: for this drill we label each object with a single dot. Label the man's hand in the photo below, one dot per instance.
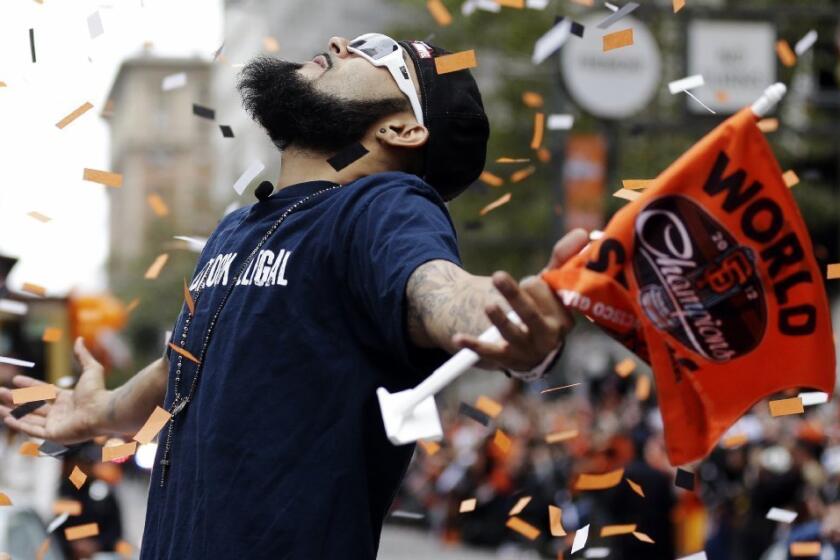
(545, 320)
(74, 416)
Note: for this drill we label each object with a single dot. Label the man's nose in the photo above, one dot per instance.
(338, 47)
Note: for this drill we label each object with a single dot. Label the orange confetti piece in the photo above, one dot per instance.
(532, 99)
(106, 178)
(518, 4)
(5, 500)
(627, 194)
(643, 387)
(38, 216)
(539, 131)
(832, 272)
(491, 179)
(790, 178)
(156, 421)
(612, 530)
(488, 406)
(78, 112)
(721, 96)
(188, 298)
(124, 549)
(770, 124)
(132, 305)
(678, 5)
(520, 505)
(467, 505)
(184, 352)
(618, 39)
(584, 2)
(806, 548)
(28, 449)
(43, 547)
(501, 201)
(501, 441)
(523, 528)
(154, 271)
(561, 387)
(430, 447)
(157, 204)
(643, 537)
(544, 155)
(786, 54)
(34, 289)
(522, 174)
(732, 442)
(636, 488)
(77, 477)
(81, 531)
(52, 334)
(118, 451)
(599, 481)
(270, 44)
(636, 184)
(70, 507)
(785, 407)
(43, 392)
(625, 367)
(439, 12)
(557, 437)
(513, 160)
(455, 61)
(555, 521)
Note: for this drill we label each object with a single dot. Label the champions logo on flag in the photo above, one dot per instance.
(709, 276)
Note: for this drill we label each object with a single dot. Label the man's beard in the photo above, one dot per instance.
(295, 113)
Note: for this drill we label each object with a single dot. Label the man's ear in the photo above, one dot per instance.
(403, 132)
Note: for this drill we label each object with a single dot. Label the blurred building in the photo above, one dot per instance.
(292, 29)
(161, 148)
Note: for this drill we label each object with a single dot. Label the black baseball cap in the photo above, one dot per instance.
(454, 115)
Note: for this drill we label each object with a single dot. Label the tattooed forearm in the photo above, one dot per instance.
(444, 299)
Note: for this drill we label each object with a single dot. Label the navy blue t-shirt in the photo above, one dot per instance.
(282, 452)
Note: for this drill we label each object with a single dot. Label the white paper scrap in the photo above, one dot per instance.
(174, 81)
(617, 15)
(696, 556)
(560, 122)
(551, 41)
(15, 362)
(805, 43)
(597, 552)
(94, 22)
(781, 515)
(13, 307)
(684, 84)
(250, 174)
(57, 522)
(536, 4)
(580, 538)
(809, 398)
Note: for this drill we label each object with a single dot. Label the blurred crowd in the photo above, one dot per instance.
(788, 462)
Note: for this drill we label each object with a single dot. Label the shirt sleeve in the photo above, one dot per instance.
(400, 228)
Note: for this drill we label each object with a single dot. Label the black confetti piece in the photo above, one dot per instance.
(32, 43)
(204, 112)
(685, 480)
(52, 448)
(24, 409)
(347, 156)
(576, 28)
(227, 131)
(474, 413)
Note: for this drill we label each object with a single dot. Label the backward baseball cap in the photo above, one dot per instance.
(455, 152)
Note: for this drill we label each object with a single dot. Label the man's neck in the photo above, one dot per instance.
(299, 166)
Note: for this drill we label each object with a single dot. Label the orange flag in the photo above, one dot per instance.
(709, 277)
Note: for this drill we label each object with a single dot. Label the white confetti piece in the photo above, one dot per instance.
(684, 84)
(560, 122)
(617, 15)
(536, 4)
(813, 398)
(13, 307)
(691, 95)
(57, 522)
(781, 515)
(696, 556)
(597, 552)
(194, 244)
(250, 174)
(174, 81)
(549, 43)
(805, 43)
(94, 22)
(580, 538)
(15, 362)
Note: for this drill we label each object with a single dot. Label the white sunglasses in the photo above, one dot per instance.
(381, 50)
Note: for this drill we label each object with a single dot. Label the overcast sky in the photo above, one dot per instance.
(40, 165)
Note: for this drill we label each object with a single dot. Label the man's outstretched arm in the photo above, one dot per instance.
(89, 409)
(449, 308)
